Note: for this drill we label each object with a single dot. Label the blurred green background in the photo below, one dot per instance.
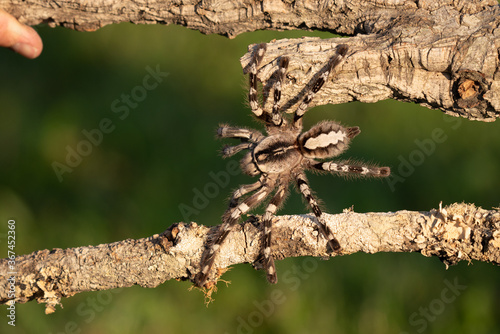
(132, 184)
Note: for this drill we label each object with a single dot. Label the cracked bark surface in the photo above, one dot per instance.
(441, 54)
(454, 233)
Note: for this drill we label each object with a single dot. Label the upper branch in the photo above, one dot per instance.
(229, 17)
(455, 233)
(441, 59)
(443, 54)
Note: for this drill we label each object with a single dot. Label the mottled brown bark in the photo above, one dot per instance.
(455, 233)
(441, 54)
(234, 17)
(442, 59)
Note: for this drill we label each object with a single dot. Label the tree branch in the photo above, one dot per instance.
(230, 18)
(441, 54)
(442, 60)
(455, 233)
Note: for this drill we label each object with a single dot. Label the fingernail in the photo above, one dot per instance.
(25, 50)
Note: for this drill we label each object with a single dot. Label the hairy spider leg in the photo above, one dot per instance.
(252, 136)
(316, 86)
(344, 167)
(271, 209)
(276, 117)
(229, 220)
(226, 131)
(305, 190)
(257, 57)
(229, 151)
(242, 191)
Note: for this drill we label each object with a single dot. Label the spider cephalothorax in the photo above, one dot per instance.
(280, 157)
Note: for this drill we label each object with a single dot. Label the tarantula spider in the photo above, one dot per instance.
(280, 157)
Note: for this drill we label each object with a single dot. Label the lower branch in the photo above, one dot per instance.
(457, 232)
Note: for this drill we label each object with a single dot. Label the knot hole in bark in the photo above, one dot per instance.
(469, 88)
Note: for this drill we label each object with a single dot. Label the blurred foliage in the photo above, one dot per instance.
(132, 183)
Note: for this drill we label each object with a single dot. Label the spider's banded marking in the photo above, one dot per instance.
(325, 139)
(225, 131)
(313, 204)
(271, 209)
(267, 250)
(243, 190)
(318, 84)
(306, 192)
(230, 218)
(215, 248)
(347, 168)
(281, 157)
(252, 77)
(229, 151)
(276, 116)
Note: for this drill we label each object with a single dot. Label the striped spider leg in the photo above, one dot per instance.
(280, 157)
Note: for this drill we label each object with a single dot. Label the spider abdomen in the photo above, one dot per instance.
(326, 139)
(277, 153)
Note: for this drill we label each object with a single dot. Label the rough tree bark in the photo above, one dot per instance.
(455, 233)
(442, 54)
